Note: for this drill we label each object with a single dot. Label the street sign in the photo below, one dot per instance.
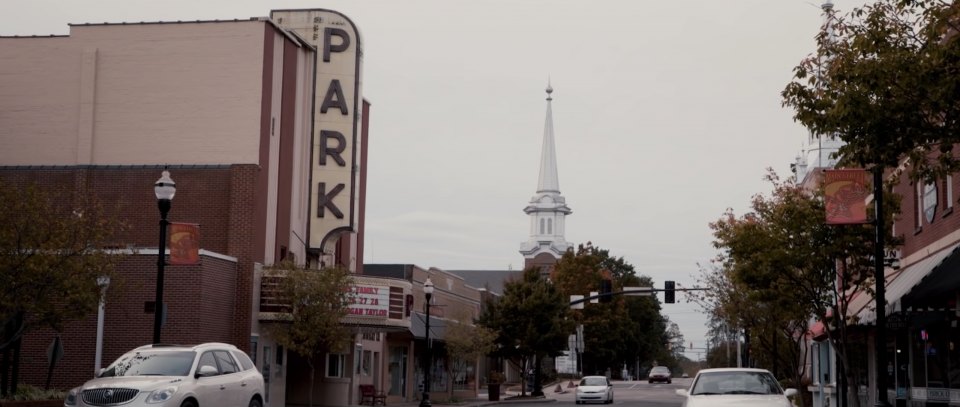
(638, 291)
(594, 294)
(574, 298)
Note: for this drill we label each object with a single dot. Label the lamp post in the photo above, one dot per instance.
(103, 282)
(425, 400)
(164, 189)
(881, 301)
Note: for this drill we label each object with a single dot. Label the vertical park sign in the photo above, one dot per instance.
(335, 166)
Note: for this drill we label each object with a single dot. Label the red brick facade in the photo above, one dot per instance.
(206, 302)
(917, 232)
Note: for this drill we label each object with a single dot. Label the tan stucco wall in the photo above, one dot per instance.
(133, 94)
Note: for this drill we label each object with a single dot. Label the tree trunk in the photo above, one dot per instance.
(4, 369)
(310, 394)
(523, 376)
(17, 342)
(537, 385)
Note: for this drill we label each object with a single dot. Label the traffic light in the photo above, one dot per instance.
(668, 294)
(606, 290)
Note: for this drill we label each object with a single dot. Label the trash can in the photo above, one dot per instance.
(493, 391)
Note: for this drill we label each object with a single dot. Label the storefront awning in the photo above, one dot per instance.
(907, 280)
(419, 329)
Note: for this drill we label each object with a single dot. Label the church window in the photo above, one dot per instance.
(542, 222)
(549, 226)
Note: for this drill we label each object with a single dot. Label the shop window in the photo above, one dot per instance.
(254, 343)
(335, 364)
(823, 363)
(365, 363)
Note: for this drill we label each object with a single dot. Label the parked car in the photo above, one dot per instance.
(660, 374)
(736, 387)
(594, 388)
(210, 374)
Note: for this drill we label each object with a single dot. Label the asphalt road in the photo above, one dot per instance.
(633, 393)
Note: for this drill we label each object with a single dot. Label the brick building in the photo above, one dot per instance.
(260, 123)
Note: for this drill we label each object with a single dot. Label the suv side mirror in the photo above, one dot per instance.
(205, 371)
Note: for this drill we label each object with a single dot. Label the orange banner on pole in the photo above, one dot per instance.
(845, 196)
(184, 243)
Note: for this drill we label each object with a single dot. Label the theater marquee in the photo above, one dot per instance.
(335, 169)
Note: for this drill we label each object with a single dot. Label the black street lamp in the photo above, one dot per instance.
(425, 400)
(880, 290)
(164, 189)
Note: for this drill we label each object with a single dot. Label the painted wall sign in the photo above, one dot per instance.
(369, 301)
(845, 193)
(335, 167)
(184, 243)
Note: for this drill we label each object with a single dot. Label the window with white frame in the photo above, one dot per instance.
(948, 192)
(930, 201)
(365, 363)
(335, 364)
(918, 203)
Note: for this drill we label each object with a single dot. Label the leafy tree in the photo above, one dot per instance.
(778, 268)
(53, 247)
(625, 330)
(675, 339)
(466, 344)
(531, 321)
(316, 302)
(885, 81)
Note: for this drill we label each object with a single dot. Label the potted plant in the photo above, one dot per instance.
(493, 385)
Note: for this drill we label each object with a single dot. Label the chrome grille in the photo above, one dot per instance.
(108, 396)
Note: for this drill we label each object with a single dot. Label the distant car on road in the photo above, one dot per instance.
(594, 388)
(736, 387)
(685, 376)
(211, 374)
(660, 374)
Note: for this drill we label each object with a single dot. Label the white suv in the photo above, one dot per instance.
(206, 375)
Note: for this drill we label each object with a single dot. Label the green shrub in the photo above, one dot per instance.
(28, 392)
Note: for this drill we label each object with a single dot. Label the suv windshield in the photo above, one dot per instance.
(736, 383)
(152, 363)
(661, 369)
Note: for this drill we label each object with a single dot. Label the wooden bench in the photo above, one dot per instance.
(369, 394)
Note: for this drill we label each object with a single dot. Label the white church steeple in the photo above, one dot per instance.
(547, 209)
(819, 148)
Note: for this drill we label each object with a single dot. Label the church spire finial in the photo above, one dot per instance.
(549, 90)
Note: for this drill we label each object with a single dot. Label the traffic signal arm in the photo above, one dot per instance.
(641, 291)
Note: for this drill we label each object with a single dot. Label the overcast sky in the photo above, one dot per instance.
(666, 113)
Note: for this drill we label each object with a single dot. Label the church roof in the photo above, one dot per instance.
(491, 280)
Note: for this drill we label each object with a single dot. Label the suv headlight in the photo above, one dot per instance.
(162, 395)
(71, 399)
